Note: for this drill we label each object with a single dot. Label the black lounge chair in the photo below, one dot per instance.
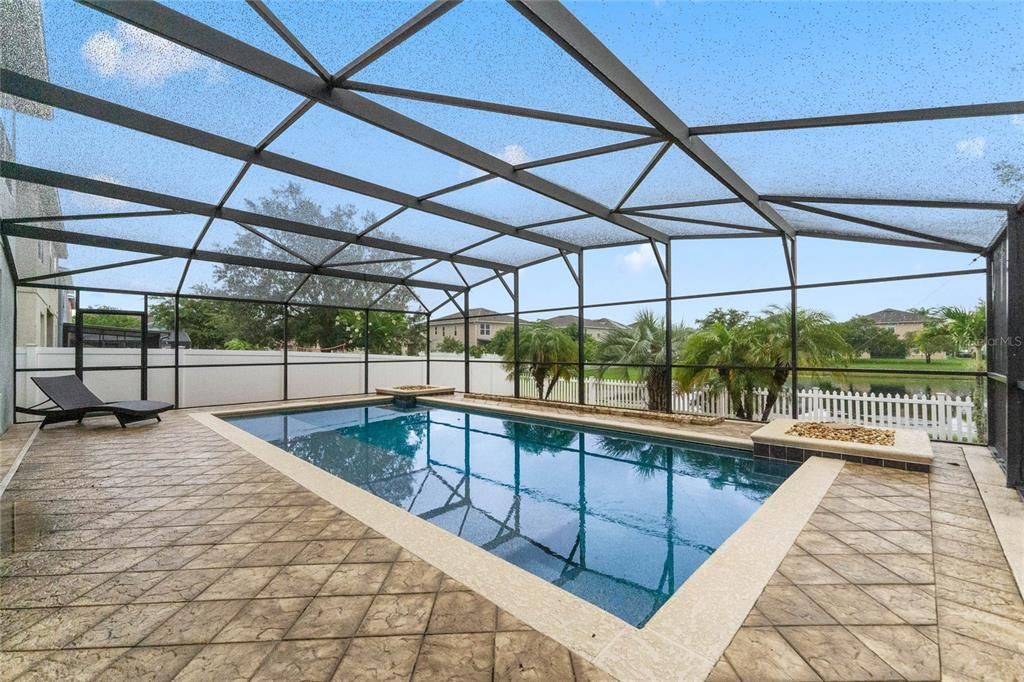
(74, 402)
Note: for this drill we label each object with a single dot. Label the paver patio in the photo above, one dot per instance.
(164, 551)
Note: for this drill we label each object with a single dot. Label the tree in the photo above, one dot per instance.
(932, 338)
(642, 344)
(450, 344)
(729, 318)
(546, 354)
(864, 336)
(589, 342)
(967, 328)
(818, 344)
(101, 319)
(310, 325)
(501, 341)
(213, 324)
(757, 354)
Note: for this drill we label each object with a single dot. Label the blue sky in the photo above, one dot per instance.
(711, 62)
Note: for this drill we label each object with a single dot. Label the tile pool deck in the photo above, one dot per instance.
(165, 551)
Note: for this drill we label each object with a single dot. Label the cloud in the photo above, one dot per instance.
(639, 259)
(514, 154)
(972, 147)
(142, 58)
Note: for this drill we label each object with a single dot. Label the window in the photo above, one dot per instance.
(485, 329)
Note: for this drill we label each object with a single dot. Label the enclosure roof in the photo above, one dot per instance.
(371, 155)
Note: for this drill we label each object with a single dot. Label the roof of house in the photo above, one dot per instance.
(478, 315)
(569, 320)
(893, 316)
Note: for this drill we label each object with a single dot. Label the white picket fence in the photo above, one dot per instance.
(945, 417)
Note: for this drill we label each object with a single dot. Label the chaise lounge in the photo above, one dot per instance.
(74, 402)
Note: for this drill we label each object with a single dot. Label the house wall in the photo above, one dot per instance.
(454, 328)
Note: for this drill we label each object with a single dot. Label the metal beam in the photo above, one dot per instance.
(889, 242)
(287, 36)
(896, 116)
(32, 232)
(643, 174)
(713, 223)
(419, 21)
(880, 226)
(36, 90)
(594, 151)
(94, 268)
(197, 36)
(96, 216)
(874, 201)
(76, 183)
(566, 30)
(507, 109)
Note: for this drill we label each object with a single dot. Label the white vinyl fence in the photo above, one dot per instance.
(945, 417)
(215, 377)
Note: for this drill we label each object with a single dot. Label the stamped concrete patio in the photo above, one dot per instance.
(166, 552)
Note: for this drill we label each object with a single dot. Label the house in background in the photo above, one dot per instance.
(484, 323)
(902, 322)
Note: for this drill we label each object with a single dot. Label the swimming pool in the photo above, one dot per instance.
(617, 519)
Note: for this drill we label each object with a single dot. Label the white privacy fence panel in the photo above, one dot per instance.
(944, 416)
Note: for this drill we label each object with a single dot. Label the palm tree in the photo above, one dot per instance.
(719, 354)
(967, 327)
(728, 354)
(819, 343)
(546, 354)
(641, 345)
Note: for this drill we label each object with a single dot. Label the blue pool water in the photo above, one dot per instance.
(617, 519)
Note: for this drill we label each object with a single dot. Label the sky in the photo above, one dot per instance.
(710, 62)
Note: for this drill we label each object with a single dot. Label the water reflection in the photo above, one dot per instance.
(617, 520)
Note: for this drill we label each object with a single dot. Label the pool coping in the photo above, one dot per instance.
(686, 636)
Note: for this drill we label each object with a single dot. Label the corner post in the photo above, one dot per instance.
(794, 312)
(79, 332)
(668, 326)
(177, 345)
(1015, 347)
(515, 333)
(366, 350)
(465, 339)
(427, 333)
(144, 351)
(285, 350)
(581, 335)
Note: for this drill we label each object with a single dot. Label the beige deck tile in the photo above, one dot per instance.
(239, 583)
(762, 655)
(195, 623)
(411, 576)
(170, 558)
(302, 661)
(784, 605)
(914, 604)
(530, 656)
(127, 626)
(462, 612)
(818, 542)
(58, 627)
(982, 625)
(298, 581)
(183, 585)
(989, 556)
(978, 660)
(509, 623)
(835, 654)
(272, 554)
(325, 552)
(859, 569)
(356, 579)
(982, 597)
(149, 664)
(912, 568)
(864, 542)
(910, 541)
(331, 617)
(401, 614)
(263, 619)
(808, 570)
(904, 648)
(74, 665)
(122, 588)
(456, 658)
(723, 672)
(848, 604)
(373, 550)
(379, 659)
(221, 556)
(225, 662)
(1000, 579)
(14, 663)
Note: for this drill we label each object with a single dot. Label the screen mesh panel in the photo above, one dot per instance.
(505, 201)
(587, 232)
(604, 178)
(677, 178)
(511, 251)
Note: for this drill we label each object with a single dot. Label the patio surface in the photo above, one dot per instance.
(163, 551)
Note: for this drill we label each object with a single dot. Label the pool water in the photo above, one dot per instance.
(617, 519)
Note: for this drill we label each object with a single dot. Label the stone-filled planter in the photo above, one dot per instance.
(413, 391)
(912, 450)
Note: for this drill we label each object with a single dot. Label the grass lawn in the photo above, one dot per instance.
(947, 365)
